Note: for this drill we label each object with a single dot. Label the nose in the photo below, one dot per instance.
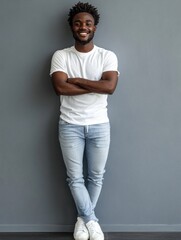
(83, 26)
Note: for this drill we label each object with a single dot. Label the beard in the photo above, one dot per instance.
(83, 42)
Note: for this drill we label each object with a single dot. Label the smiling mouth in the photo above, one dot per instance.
(83, 34)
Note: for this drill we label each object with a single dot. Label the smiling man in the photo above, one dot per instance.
(83, 76)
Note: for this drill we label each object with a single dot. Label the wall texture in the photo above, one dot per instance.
(142, 184)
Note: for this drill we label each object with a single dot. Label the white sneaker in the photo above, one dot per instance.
(95, 231)
(80, 230)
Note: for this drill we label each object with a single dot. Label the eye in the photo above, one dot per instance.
(76, 24)
(89, 24)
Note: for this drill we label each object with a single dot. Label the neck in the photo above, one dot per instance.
(84, 48)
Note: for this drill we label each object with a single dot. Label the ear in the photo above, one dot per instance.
(95, 28)
(71, 28)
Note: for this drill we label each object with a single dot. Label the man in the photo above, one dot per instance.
(83, 75)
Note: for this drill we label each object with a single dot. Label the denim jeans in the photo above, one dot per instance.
(92, 143)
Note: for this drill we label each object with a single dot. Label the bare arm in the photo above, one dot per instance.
(105, 85)
(63, 87)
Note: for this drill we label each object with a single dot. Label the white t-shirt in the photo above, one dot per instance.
(90, 108)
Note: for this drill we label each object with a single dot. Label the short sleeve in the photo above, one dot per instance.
(58, 62)
(110, 62)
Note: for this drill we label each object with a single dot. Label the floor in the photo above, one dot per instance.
(108, 236)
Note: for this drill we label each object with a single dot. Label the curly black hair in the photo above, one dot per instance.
(83, 7)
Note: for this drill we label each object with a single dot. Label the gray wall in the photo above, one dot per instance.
(142, 183)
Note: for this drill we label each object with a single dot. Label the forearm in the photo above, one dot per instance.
(101, 86)
(70, 89)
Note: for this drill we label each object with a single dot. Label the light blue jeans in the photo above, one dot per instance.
(91, 142)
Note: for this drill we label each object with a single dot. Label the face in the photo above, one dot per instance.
(83, 28)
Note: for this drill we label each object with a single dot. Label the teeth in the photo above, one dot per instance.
(83, 34)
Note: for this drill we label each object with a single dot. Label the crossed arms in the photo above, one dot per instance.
(76, 86)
